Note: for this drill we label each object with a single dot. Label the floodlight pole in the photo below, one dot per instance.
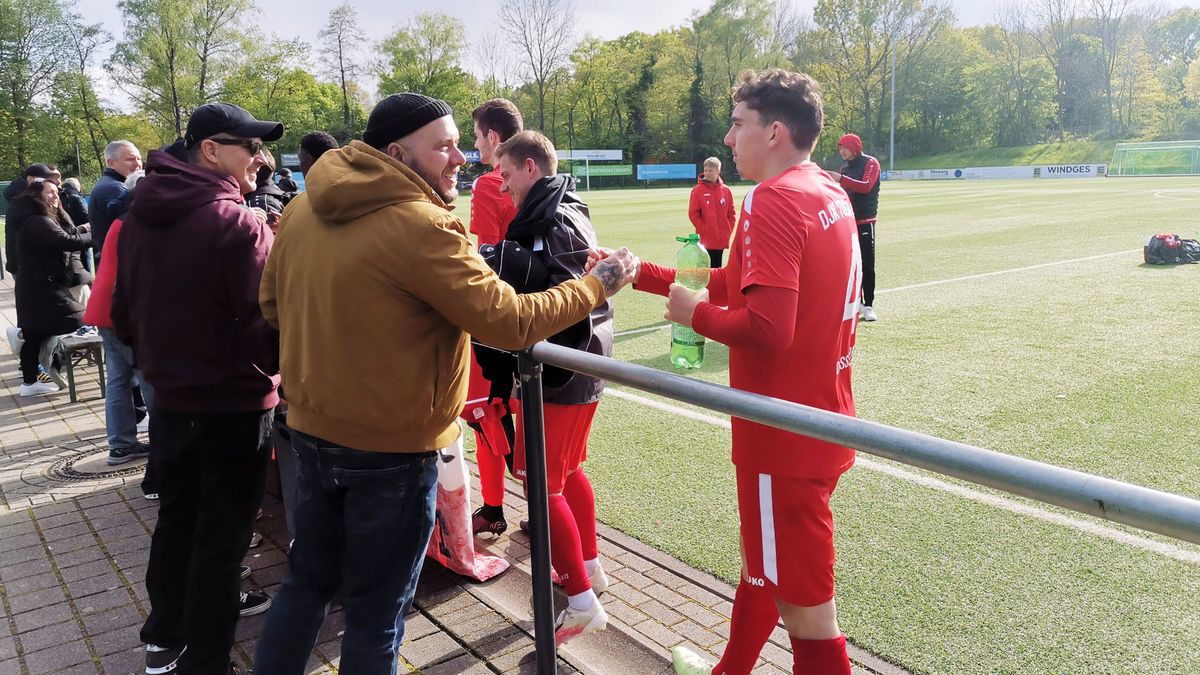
(892, 135)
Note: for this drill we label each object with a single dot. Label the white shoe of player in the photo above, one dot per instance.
(574, 622)
(867, 313)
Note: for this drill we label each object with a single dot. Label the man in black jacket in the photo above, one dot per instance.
(72, 202)
(859, 177)
(121, 158)
(552, 223)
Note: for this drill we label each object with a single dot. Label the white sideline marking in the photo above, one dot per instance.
(996, 501)
(984, 275)
(939, 282)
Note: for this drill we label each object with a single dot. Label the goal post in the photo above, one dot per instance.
(1160, 158)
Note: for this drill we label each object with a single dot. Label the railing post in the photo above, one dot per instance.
(539, 512)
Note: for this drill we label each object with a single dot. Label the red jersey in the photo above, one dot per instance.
(797, 232)
(491, 210)
(711, 211)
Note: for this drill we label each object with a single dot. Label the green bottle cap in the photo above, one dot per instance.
(690, 239)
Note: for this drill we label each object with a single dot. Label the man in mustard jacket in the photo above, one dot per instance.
(369, 263)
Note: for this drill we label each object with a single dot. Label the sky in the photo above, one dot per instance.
(302, 19)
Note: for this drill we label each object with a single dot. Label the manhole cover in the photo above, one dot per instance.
(91, 463)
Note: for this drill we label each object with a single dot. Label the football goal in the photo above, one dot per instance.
(1163, 158)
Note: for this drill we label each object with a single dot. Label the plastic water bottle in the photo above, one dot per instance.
(691, 270)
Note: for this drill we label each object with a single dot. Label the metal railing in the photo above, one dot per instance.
(1151, 510)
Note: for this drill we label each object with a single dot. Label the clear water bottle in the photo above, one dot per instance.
(691, 270)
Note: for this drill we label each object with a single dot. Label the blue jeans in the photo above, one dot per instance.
(363, 521)
(120, 418)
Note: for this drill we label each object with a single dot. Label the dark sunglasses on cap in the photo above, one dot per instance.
(251, 145)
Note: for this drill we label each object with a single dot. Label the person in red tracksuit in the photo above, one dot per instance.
(859, 177)
(711, 211)
(495, 121)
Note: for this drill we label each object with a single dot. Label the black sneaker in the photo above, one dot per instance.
(483, 522)
(160, 660)
(254, 602)
(245, 570)
(121, 455)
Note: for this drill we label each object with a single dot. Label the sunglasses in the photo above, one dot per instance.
(252, 146)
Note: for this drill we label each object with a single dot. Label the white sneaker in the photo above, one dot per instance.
(573, 622)
(688, 662)
(867, 313)
(38, 388)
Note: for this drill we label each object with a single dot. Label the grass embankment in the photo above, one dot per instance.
(1071, 152)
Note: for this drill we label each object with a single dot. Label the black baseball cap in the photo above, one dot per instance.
(211, 119)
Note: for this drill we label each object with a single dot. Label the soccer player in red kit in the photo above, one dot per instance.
(786, 304)
(495, 121)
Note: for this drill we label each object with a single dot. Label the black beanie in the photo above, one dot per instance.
(399, 115)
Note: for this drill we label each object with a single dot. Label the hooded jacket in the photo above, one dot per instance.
(186, 299)
(269, 198)
(712, 214)
(553, 234)
(374, 286)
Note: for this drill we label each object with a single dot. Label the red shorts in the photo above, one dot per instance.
(787, 536)
(567, 429)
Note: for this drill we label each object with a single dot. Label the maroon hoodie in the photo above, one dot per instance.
(190, 261)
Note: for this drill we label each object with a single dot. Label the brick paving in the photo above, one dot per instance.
(74, 552)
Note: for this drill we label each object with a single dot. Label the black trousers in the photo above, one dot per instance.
(866, 243)
(211, 472)
(715, 255)
(29, 354)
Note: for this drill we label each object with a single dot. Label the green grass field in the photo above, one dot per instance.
(1091, 365)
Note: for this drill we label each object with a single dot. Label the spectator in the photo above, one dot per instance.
(72, 201)
(120, 414)
(287, 183)
(312, 146)
(553, 215)
(859, 177)
(711, 211)
(20, 206)
(45, 305)
(186, 301)
(375, 230)
(267, 196)
(121, 158)
(495, 121)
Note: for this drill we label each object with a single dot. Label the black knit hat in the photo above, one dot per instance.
(399, 115)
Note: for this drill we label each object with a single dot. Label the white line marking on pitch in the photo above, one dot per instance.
(1162, 194)
(1105, 532)
(939, 282)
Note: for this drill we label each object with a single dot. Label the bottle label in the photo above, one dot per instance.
(684, 335)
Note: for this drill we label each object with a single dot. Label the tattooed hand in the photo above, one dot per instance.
(616, 270)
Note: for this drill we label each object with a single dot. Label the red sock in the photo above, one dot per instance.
(820, 657)
(579, 495)
(491, 470)
(754, 617)
(564, 547)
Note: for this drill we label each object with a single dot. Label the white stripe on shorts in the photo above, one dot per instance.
(766, 514)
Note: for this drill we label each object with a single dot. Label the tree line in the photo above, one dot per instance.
(1040, 70)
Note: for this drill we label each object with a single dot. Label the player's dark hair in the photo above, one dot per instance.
(793, 99)
(499, 115)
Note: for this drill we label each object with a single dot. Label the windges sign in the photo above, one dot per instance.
(1071, 170)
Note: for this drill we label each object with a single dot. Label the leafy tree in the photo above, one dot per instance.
(33, 38)
(342, 35)
(425, 55)
(542, 31)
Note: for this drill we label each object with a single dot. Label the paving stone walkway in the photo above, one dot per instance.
(74, 541)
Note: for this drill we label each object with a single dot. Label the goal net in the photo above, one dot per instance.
(1162, 158)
